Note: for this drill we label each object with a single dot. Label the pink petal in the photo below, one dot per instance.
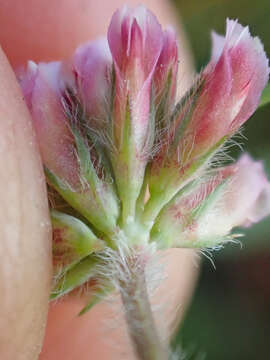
(249, 66)
(135, 33)
(249, 198)
(92, 68)
(206, 121)
(233, 83)
(167, 62)
(218, 42)
(42, 88)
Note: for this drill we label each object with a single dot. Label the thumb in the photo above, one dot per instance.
(24, 228)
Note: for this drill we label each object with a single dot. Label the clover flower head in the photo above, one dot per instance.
(110, 129)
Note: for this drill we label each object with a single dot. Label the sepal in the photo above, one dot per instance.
(179, 222)
(99, 293)
(72, 241)
(74, 277)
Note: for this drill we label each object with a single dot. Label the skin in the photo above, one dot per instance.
(49, 30)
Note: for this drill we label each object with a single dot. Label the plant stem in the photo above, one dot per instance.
(139, 316)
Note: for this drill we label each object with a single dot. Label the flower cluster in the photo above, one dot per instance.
(110, 130)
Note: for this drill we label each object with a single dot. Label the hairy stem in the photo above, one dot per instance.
(139, 316)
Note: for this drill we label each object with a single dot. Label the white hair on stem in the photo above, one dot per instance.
(134, 272)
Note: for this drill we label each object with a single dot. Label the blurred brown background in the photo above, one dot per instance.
(229, 317)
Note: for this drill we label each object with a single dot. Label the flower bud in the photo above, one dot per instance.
(73, 166)
(226, 95)
(204, 215)
(234, 80)
(248, 199)
(92, 68)
(41, 85)
(135, 40)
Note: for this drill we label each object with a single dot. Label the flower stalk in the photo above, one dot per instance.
(141, 325)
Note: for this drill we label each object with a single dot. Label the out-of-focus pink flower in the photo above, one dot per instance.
(247, 200)
(92, 67)
(204, 215)
(72, 164)
(41, 85)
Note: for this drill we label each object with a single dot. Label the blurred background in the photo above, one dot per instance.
(229, 317)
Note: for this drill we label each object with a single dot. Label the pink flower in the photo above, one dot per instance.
(204, 215)
(233, 83)
(109, 130)
(100, 116)
(135, 39)
(72, 163)
(226, 95)
(92, 68)
(248, 198)
(42, 86)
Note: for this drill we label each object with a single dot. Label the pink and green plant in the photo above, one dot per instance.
(131, 169)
